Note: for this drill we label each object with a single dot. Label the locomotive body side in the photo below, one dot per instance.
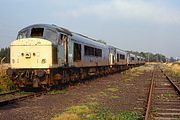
(88, 53)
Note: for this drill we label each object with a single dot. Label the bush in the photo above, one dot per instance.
(5, 83)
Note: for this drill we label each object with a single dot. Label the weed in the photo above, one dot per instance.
(66, 116)
(115, 97)
(167, 95)
(126, 115)
(102, 94)
(79, 110)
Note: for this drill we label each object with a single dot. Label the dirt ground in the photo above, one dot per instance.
(118, 92)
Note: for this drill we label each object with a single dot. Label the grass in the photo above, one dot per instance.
(102, 94)
(112, 89)
(67, 116)
(23, 93)
(93, 111)
(115, 97)
(172, 69)
(54, 92)
(164, 96)
(167, 95)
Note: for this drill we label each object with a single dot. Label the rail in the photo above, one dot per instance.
(13, 100)
(170, 80)
(11, 92)
(149, 97)
(149, 101)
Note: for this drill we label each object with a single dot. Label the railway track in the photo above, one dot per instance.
(164, 98)
(15, 98)
(8, 93)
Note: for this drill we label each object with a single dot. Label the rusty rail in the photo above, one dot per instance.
(149, 97)
(13, 100)
(151, 91)
(170, 80)
(11, 92)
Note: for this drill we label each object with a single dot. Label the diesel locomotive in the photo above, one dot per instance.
(44, 55)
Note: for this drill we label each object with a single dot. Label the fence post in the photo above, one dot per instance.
(2, 70)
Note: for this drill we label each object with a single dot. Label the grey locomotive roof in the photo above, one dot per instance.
(75, 36)
(53, 27)
(86, 40)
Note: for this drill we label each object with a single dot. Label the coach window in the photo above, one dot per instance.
(132, 58)
(77, 52)
(117, 57)
(91, 51)
(98, 52)
(122, 57)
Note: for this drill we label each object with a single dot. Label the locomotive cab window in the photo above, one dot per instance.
(23, 34)
(77, 52)
(50, 35)
(37, 32)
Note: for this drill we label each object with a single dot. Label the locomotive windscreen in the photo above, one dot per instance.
(37, 32)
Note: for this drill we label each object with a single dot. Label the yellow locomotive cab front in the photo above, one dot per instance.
(31, 53)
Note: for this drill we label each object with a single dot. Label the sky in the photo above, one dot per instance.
(138, 25)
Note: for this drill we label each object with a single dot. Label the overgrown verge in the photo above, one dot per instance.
(94, 111)
(5, 84)
(172, 69)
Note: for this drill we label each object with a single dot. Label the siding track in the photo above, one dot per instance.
(164, 98)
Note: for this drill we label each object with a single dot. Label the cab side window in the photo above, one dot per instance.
(77, 52)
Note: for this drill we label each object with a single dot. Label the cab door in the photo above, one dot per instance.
(63, 49)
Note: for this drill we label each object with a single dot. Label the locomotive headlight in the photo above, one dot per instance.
(13, 61)
(43, 61)
(38, 54)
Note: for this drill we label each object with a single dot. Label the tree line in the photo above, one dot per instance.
(151, 57)
(5, 52)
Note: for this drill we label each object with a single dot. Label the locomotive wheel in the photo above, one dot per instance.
(46, 87)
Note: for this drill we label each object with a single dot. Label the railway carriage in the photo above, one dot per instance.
(132, 59)
(121, 57)
(45, 55)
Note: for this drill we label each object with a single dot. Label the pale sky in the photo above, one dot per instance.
(138, 25)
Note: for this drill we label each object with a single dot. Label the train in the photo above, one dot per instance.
(44, 55)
